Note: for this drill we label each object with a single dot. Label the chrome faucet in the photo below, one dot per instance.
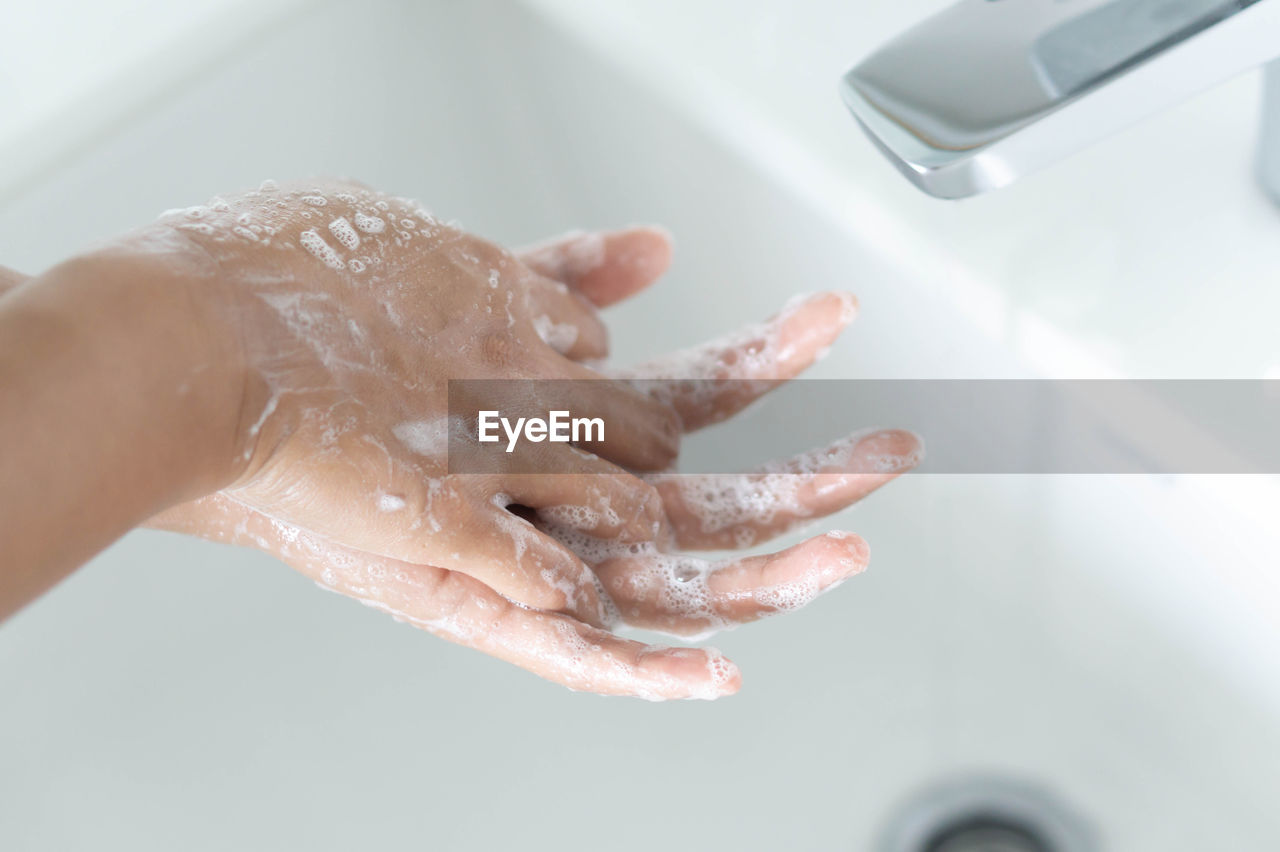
(986, 91)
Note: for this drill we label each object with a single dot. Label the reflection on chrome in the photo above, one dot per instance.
(986, 91)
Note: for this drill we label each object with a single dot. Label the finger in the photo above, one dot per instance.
(565, 483)
(590, 495)
(685, 596)
(463, 610)
(585, 658)
(726, 511)
(714, 381)
(566, 321)
(604, 266)
(555, 647)
(640, 433)
(512, 557)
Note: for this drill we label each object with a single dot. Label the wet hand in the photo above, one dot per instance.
(352, 311)
(642, 580)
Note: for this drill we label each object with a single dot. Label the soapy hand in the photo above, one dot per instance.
(353, 310)
(624, 570)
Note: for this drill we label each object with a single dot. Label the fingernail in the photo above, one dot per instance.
(889, 451)
(857, 551)
(725, 678)
(849, 307)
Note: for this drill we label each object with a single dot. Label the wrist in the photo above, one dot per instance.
(148, 305)
(117, 402)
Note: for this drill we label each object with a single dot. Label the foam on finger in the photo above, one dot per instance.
(605, 267)
(695, 598)
(712, 381)
(742, 509)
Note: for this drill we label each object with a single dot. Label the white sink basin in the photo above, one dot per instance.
(1113, 638)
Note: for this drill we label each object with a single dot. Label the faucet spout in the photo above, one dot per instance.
(987, 91)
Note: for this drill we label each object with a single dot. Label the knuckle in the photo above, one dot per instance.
(500, 350)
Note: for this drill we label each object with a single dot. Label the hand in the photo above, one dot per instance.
(353, 310)
(647, 586)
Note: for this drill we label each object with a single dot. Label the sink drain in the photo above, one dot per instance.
(987, 834)
(987, 814)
